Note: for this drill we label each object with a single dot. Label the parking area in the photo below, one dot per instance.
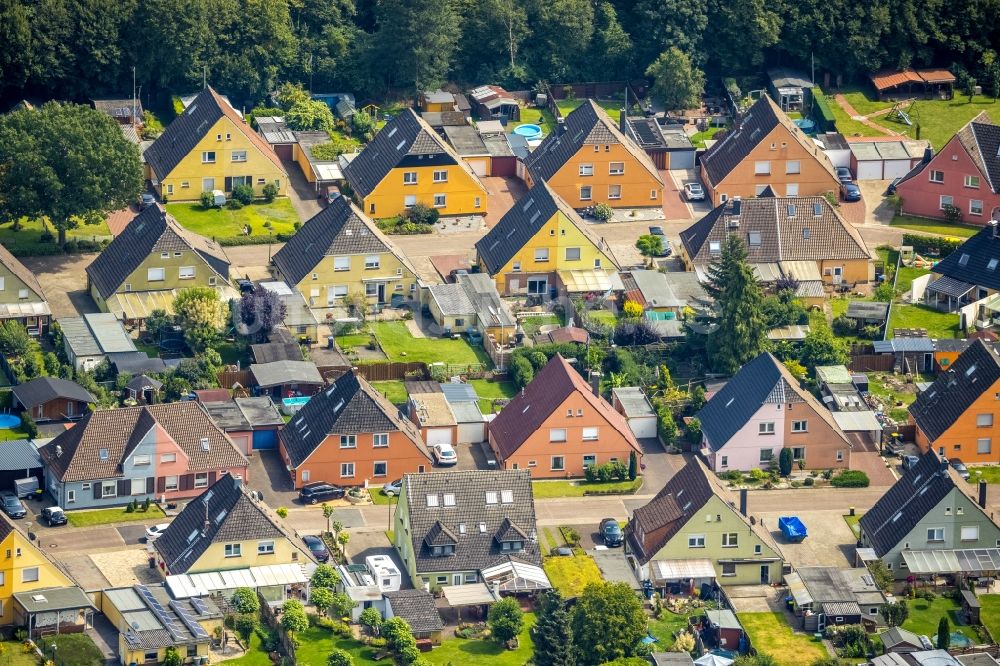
(63, 278)
(830, 542)
(503, 192)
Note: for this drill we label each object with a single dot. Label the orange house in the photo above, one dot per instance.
(766, 148)
(959, 415)
(350, 435)
(557, 427)
(587, 160)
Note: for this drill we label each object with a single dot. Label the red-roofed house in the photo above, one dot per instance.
(557, 427)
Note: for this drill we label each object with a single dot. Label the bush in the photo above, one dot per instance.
(809, 481)
(632, 310)
(207, 200)
(931, 245)
(234, 204)
(245, 624)
(245, 600)
(243, 194)
(850, 478)
(421, 213)
(28, 425)
(269, 192)
(521, 371)
(603, 212)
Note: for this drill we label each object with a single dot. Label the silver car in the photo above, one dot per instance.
(694, 192)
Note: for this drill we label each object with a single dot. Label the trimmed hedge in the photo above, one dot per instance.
(850, 478)
(930, 244)
(822, 113)
(232, 241)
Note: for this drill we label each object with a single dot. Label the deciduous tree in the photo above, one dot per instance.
(677, 83)
(607, 623)
(201, 315)
(505, 619)
(260, 311)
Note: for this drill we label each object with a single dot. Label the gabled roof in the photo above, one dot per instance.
(417, 608)
(223, 513)
(524, 219)
(981, 139)
(970, 263)
(152, 231)
(96, 446)
(539, 400)
(475, 507)
(349, 406)
(406, 135)
(11, 263)
(337, 230)
(587, 124)
(764, 380)
(41, 390)
(776, 229)
(683, 497)
(187, 129)
(948, 399)
(758, 122)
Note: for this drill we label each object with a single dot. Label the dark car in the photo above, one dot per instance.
(316, 547)
(146, 200)
(12, 506)
(850, 192)
(320, 492)
(844, 175)
(611, 531)
(53, 515)
(959, 467)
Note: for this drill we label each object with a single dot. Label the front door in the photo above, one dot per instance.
(456, 579)
(381, 292)
(838, 274)
(765, 574)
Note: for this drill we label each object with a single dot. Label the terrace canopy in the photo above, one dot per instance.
(959, 561)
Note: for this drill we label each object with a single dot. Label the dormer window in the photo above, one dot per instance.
(512, 546)
(442, 551)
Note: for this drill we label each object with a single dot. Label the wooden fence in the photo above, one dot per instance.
(376, 371)
(871, 363)
(230, 378)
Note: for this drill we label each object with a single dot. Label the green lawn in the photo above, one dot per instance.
(254, 656)
(316, 643)
(399, 345)
(12, 433)
(226, 223)
(938, 227)
(988, 473)
(233, 353)
(906, 276)
(852, 522)
(862, 103)
(613, 107)
(534, 116)
(989, 615)
(73, 650)
(532, 324)
(771, 634)
(348, 342)
(394, 390)
(489, 390)
(847, 125)
(14, 654)
(27, 241)
(561, 488)
(925, 615)
(938, 324)
(891, 395)
(478, 651)
(570, 575)
(106, 516)
(606, 317)
(669, 623)
(698, 138)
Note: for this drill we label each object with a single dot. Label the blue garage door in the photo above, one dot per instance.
(265, 439)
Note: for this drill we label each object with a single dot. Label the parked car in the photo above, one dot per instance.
(153, 532)
(694, 192)
(658, 231)
(959, 467)
(444, 455)
(146, 200)
(12, 506)
(316, 547)
(850, 192)
(392, 488)
(844, 175)
(611, 532)
(53, 515)
(910, 461)
(320, 492)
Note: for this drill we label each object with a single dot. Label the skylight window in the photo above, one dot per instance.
(992, 266)
(971, 369)
(527, 204)
(104, 454)
(963, 260)
(754, 239)
(338, 406)
(817, 209)
(432, 500)
(491, 497)
(449, 499)
(392, 132)
(791, 210)
(400, 145)
(806, 233)
(507, 496)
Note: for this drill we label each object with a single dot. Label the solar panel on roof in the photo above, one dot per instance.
(189, 622)
(199, 605)
(161, 614)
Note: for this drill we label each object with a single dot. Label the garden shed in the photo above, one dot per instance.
(970, 607)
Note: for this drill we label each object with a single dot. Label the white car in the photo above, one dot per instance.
(445, 455)
(694, 192)
(153, 532)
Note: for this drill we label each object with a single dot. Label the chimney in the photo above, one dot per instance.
(743, 501)
(993, 228)
(928, 155)
(982, 493)
(595, 383)
(560, 125)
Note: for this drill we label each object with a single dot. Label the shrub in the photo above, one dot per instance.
(245, 624)
(521, 371)
(234, 204)
(338, 657)
(28, 425)
(245, 600)
(270, 191)
(172, 657)
(953, 214)
(282, 512)
(785, 461)
(207, 200)
(632, 310)
(809, 481)
(603, 212)
(243, 194)
(850, 478)
(421, 213)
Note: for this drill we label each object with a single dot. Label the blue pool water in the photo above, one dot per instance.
(958, 639)
(295, 402)
(806, 125)
(529, 132)
(8, 421)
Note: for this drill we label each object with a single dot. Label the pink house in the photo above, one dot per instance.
(965, 174)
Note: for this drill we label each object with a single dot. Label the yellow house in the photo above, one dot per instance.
(23, 568)
(408, 163)
(21, 297)
(539, 238)
(240, 532)
(587, 160)
(211, 147)
(339, 251)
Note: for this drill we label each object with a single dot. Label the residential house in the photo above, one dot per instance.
(665, 298)
(448, 528)
(88, 340)
(957, 415)
(538, 243)
(252, 423)
(557, 426)
(632, 403)
(21, 296)
(225, 528)
(408, 163)
(967, 275)
(286, 379)
(802, 238)
(52, 399)
(149, 623)
(823, 596)
(150, 262)
(350, 434)
(211, 147)
(762, 410)
(766, 149)
(418, 609)
(24, 567)
(112, 456)
(587, 160)
(926, 520)
(471, 303)
(693, 525)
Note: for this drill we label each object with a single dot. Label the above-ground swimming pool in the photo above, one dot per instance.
(291, 405)
(806, 125)
(529, 132)
(8, 421)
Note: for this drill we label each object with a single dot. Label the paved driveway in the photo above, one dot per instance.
(503, 192)
(64, 279)
(302, 193)
(874, 466)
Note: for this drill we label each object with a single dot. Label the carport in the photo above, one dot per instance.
(681, 576)
(475, 595)
(54, 610)
(614, 566)
(19, 459)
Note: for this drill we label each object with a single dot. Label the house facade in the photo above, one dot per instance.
(762, 410)
(21, 296)
(211, 147)
(340, 252)
(968, 275)
(766, 149)
(24, 568)
(52, 399)
(557, 427)
(408, 163)
(965, 173)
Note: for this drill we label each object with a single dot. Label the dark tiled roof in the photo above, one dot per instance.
(142, 382)
(349, 406)
(777, 229)
(118, 431)
(439, 535)
(21, 271)
(40, 390)
(529, 409)
(475, 549)
(270, 352)
(974, 372)
(921, 488)
(417, 608)
(184, 133)
(970, 262)
(232, 517)
(587, 124)
(152, 231)
(981, 139)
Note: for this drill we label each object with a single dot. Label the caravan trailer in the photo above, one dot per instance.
(385, 571)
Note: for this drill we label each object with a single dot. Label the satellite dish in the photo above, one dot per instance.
(135, 626)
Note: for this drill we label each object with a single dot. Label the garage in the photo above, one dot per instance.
(631, 402)
(438, 436)
(265, 439)
(479, 167)
(884, 159)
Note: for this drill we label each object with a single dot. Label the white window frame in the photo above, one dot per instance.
(70, 499)
(969, 533)
(762, 168)
(105, 485)
(793, 166)
(936, 176)
(972, 182)
(171, 483)
(586, 193)
(233, 550)
(984, 420)
(800, 426)
(409, 178)
(409, 201)
(574, 250)
(541, 255)
(341, 264)
(385, 468)
(239, 156)
(730, 539)
(152, 272)
(347, 470)
(945, 200)
(616, 168)
(373, 262)
(765, 428)
(696, 541)
(208, 157)
(562, 465)
(348, 441)
(186, 273)
(586, 170)
(984, 445)
(974, 209)
(932, 533)
(440, 177)
(614, 192)
(440, 200)
(265, 547)
(558, 435)
(380, 440)
(201, 480)
(591, 434)
(26, 574)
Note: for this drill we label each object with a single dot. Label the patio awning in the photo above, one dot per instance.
(183, 586)
(803, 271)
(669, 570)
(973, 560)
(53, 599)
(948, 286)
(766, 272)
(515, 576)
(993, 303)
(581, 281)
(798, 589)
(477, 594)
